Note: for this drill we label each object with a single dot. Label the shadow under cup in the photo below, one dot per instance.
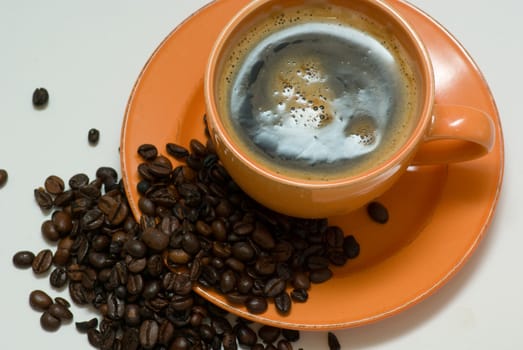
(248, 53)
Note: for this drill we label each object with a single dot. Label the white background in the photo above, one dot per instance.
(88, 55)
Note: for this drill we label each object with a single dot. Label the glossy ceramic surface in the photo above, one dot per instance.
(439, 214)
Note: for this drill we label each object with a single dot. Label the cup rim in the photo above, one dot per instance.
(406, 150)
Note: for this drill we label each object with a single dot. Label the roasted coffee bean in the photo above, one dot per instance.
(62, 221)
(3, 177)
(274, 286)
(64, 199)
(40, 97)
(284, 345)
(333, 342)
(160, 167)
(149, 331)
(155, 239)
(197, 148)
(93, 219)
(58, 277)
(180, 343)
(54, 184)
(147, 206)
(61, 312)
(265, 265)
(301, 280)
(135, 248)
(154, 265)
(62, 301)
(135, 284)
(290, 334)
(269, 334)
(317, 262)
(243, 251)
(378, 212)
(263, 237)
(40, 300)
(42, 261)
(93, 136)
(23, 259)
(258, 346)
(49, 322)
(177, 151)
(148, 151)
(283, 303)
(132, 315)
(246, 336)
(49, 231)
(320, 276)
(85, 326)
(227, 281)
(229, 341)
(256, 304)
(43, 199)
(299, 295)
(79, 180)
(191, 243)
(351, 247)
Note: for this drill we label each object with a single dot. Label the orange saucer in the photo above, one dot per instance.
(438, 214)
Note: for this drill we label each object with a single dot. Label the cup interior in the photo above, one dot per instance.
(375, 18)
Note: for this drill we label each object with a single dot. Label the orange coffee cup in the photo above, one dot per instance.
(277, 57)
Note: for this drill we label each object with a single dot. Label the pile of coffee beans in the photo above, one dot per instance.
(53, 312)
(197, 228)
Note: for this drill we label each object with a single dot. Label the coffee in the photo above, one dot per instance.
(318, 92)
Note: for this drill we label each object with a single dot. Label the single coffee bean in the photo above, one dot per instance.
(49, 231)
(149, 334)
(256, 304)
(177, 151)
(274, 286)
(155, 239)
(42, 261)
(62, 301)
(246, 336)
(243, 251)
(148, 151)
(54, 184)
(378, 212)
(135, 248)
(40, 97)
(84, 326)
(320, 276)
(3, 177)
(351, 247)
(61, 312)
(333, 342)
(62, 221)
(284, 345)
(269, 334)
(147, 206)
(79, 180)
(228, 281)
(283, 303)
(299, 295)
(43, 199)
(40, 300)
(300, 280)
(23, 259)
(229, 341)
(290, 334)
(58, 277)
(93, 136)
(132, 315)
(49, 322)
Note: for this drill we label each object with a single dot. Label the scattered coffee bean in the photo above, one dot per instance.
(49, 322)
(60, 311)
(85, 326)
(148, 151)
(378, 212)
(54, 185)
(351, 247)
(23, 259)
(43, 199)
(3, 177)
(197, 227)
(93, 136)
(290, 334)
(333, 342)
(62, 301)
(40, 97)
(284, 345)
(40, 300)
(42, 261)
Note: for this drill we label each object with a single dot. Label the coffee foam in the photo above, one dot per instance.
(298, 93)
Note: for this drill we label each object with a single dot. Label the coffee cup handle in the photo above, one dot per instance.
(457, 133)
